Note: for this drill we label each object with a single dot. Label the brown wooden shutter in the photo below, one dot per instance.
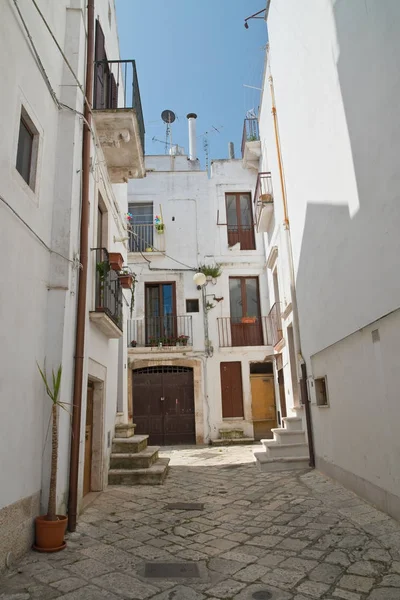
(114, 92)
(100, 74)
(231, 389)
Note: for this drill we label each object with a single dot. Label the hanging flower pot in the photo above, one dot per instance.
(248, 320)
(160, 227)
(126, 281)
(116, 261)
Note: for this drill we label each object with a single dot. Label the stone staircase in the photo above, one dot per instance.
(132, 461)
(288, 450)
(230, 437)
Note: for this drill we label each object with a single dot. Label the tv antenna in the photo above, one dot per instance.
(206, 145)
(168, 116)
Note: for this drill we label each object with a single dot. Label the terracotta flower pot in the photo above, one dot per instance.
(49, 535)
(116, 261)
(126, 281)
(248, 320)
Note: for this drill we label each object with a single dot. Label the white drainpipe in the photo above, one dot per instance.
(192, 135)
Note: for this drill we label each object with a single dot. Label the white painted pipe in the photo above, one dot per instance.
(192, 135)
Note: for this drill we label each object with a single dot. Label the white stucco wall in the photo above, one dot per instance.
(38, 298)
(336, 81)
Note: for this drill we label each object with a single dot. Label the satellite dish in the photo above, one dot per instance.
(168, 116)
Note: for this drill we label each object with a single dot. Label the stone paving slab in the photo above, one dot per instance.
(281, 535)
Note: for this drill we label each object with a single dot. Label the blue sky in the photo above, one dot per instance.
(194, 56)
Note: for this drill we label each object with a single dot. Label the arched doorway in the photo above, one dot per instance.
(163, 404)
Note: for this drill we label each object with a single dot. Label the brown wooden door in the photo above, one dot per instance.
(87, 470)
(263, 405)
(163, 404)
(239, 218)
(282, 396)
(231, 389)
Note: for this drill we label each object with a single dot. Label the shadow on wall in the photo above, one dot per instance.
(348, 273)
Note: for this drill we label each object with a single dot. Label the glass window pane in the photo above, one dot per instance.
(231, 214)
(252, 307)
(152, 301)
(142, 213)
(24, 152)
(245, 211)
(235, 295)
(167, 299)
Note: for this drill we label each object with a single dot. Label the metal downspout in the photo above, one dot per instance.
(84, 248)
(296, 329)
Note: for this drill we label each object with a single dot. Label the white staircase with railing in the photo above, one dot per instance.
(288, 450)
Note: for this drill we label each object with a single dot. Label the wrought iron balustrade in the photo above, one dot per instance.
(116, 87)
(275, 321)
(251, 132)
(108, 290)
(251, 331)
(168, 330)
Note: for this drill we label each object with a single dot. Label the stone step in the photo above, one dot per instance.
(282, 436)
(154, 475)
(125, 430)
(136, 460)
(130, 445)
(285, 463)
(231, 433)
(232, 441)
(274, 450)
(293, 423)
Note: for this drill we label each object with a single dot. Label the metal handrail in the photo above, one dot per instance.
(167, 330)
(108, 290)
(251, 132)
(245, 331)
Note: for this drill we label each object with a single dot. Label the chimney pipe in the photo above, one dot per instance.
(231, 150)
(191, 117)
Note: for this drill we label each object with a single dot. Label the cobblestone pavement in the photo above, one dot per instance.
(287, 536)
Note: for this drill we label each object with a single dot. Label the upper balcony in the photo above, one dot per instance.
(146, 237)
(275, 321)
(118, 117)
(107, 313)
(244, 331)
(263, 202)
(165, 333)
(251, 145)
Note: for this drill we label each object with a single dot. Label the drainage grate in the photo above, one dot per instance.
(171, 570)
(262, 595)
(185, 506)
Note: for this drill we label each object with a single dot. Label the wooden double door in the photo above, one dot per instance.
(163, 404)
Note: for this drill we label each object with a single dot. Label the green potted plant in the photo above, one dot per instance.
(211, 272)
(133, 344)
(125, 279)
(183, 340)
(103, 268)
(50, 528)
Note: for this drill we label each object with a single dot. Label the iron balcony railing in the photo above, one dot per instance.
(251, 132)
(245, 331)
(116, 86)
(155, 332)
(141, 237)
(108, 292)
(275, 321)
(263, 194)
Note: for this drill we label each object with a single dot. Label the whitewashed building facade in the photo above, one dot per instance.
(199, 387)
(41, 173)
(336, 82)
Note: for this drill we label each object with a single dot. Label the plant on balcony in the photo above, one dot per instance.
(102, 268)
(50, 528)
(133, 344)
(211, 271)
(183, 340)
(125, 280)
(252, 138)
(158, 224)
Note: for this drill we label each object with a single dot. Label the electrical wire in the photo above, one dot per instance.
(40, 64)
(136, 235)
(35, 234)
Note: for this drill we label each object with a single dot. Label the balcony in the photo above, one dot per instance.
(161, 332)
(107, 314)
(275, 321)
(251, 145)
(118, 117)
(146, 238)
(234, 332)
(263, 202)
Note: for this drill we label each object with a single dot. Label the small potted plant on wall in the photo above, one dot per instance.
(125, 279)
(50, 528)
(133, 344)
(183, 340)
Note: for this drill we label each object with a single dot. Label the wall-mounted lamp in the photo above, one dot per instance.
(257, 16)
(200, 279)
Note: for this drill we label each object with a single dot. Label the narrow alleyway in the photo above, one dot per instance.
(278, 536)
